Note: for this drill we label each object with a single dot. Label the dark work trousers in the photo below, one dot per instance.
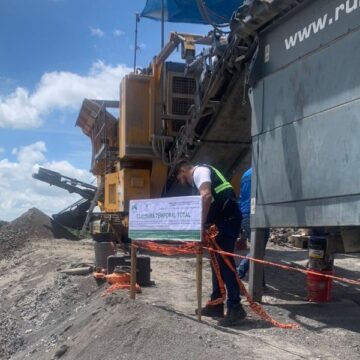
(228, 233)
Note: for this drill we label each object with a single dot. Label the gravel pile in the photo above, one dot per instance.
(116, 328)
(36, 309)
(10, 339)
(35, 296)
(46, 314)
(33, 224)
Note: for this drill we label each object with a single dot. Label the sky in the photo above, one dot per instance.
(53, 54)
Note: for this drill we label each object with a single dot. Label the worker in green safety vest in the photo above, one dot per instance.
(220, 208)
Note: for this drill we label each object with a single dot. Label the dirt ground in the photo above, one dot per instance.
(46, 314)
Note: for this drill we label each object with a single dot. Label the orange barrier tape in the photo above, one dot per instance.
(286, 267)
(115, 278)
(210, 240)
(115, 287)
(194, 248)
(213, 247)
(209, 235)
(183, 248)
(216, 267)
(170, 250)
(117, 281)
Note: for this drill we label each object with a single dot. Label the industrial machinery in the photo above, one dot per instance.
(305, 124)
(132, 156)
(278, 91)
(198, 109)
(74, 215)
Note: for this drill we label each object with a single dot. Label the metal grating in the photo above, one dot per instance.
(183, 85)
(180, 106)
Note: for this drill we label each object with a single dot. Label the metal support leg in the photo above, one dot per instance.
(199, 264)
(257, 250)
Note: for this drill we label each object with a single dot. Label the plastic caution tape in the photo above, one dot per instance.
(194, 248)
(209, 244)
(216, 267)
(119, 286)
(117, 280)
(286, 267)
(170, 250)
(210, 240)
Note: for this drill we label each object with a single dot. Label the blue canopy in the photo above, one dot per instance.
(192, 11)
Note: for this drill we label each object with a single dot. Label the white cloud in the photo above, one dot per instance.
(17, 111)
(59, 90)
(32, 154)
(19, 191)
(118, 32)
(97, 32)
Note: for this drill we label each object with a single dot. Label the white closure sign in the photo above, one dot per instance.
(175, 218)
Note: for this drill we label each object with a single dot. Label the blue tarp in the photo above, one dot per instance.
(187, 11)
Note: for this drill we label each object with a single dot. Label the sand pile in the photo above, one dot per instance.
(33, 224)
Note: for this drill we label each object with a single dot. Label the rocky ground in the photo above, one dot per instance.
(46, 314)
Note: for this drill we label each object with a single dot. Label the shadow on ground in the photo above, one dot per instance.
(287, 290)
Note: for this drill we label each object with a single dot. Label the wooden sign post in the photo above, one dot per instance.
(172, 219)
(199, 264)
(133, 272)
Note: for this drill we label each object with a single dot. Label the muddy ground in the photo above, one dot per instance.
(46, 314)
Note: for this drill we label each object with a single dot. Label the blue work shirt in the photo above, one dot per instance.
(245, 192)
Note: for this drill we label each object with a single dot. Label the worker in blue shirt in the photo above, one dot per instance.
(244, 204)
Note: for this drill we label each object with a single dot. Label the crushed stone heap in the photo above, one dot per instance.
(33, 224)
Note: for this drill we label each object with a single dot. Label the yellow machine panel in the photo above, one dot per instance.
(158, 178)
(134, 184)
(125, 185)
(111, 192)
(134, 129)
